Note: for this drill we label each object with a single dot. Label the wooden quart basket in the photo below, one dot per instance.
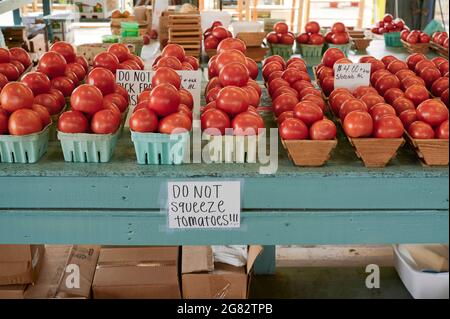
(376, 152)
(309, 153)
(433, 152)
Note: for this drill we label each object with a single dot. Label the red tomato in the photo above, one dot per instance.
(433, 112)
(186, 98)
(118, 100)
(184, 109)
(378, 75)
(371, 99)
(38, 82)
(44, 115)
(344, 61)
(281, 27)
(293, 129)
(16, 95)
(338, 100)
(120, 50)
(407, 117)
(311, 27)
(215, 122)
(376, 65)
(174, 50)
(63, 84)
(175, 123)
(227, 57)
(443, 67)
(232, 100)
(429, 75)
(417, 94)
(65, 49)
(211, 42)
(18, 65)
(309, 113)
(3, 81)
(441, 131)
(350, 106)
(78, 69)
(421, 130)
(287, 39)
(316, 100)
(255, 85)
(144, 121)
(324, 72)
(5, 56)
(166, 75)
(412, 80)
(284, 102)
(336, 92)
(303, 38)
(220, 33)
(340, 38)
(49, 101)
(388, 126)
(193, 61)
(424, 38)
(300, 66)
(231, 43)
(10, 71)
(402, 104)
(252, 95)
(213, 94)
(328, 85)
(444, 97)
(331, 56)
(252, 68)
(82, 61)
(396, 66)
(381, 109)
(316, 39)
(213, 82)
(366, 59)
(413, 59)
(24, 122)
(73, 122)
(300, 85)
(234, 74)
(164, 99)
(3, 121)
(276, 84)
(422, 65)
(270, 68)
(72, 77)
(283, 90)
(386, 82)
(19, 54)
(103, 79)
(86, 98)
(388, 18)
(307, 91)
(247, 123)
(53, 64)
(285, 115)
(106, 60)
(404, 35)
(275, 58)
(323, 130)
(60, 99)
(388, 59)
(439, 86)
(403, 74)
(358, 124)
(363, 90)
(338, 27)
(105, 122)
(109, 105)
(122, 91)
(392, 94)
(170, 62)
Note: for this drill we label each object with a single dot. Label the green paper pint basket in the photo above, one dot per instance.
(285, 51)
(156, 148)
(88, 148)
(25, 149)
(310, 50)
(345, 48)
(393, 39)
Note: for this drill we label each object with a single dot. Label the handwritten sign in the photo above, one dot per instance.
(351, 76)
(136, 81)
(204, 204)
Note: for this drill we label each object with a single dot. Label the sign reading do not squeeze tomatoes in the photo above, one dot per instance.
(136, 81)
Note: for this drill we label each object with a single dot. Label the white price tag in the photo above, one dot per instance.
(204, 204)
(351, 76)
(136, 81)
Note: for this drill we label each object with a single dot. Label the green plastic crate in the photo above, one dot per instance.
(88, 148)
(24, 149)
(129, 29)
(110, 38)
(393, 39)
(283, 50)
(156, 148)
(310, 50)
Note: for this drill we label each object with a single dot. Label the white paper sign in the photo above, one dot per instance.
(351, 76)
(136, 81)
(204, 204)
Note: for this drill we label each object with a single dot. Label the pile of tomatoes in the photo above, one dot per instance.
(13, 63)
(415, 36)
(311, 35)
(118, 56)
(325, 70)
(165, 108)
(232, 94)
(173, 56)
(440, 38)
(338, 34)
(215, 35)
(280, 35)
(388, 24)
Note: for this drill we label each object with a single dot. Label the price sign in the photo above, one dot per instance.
(204, 204)
(136, 81)
(351, 76)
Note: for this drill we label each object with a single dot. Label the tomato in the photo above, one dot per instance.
(350, 106)
(255, 85)
(386, 82)
(392, 94)
(303, 38)
(444, 97)
(338, 27)
(231, 43)
(18, 65)
(38, 82)
(193, 61)
(252, 96)
(371, 99)
(284, 102)
(234, 74)
(318, 100)
(407, 117)
(164, 99)
(10, 71)
(328, 85)
(43, 113)
(388, 126)
(175, 123)
(3, 81)
(316, 39)
(429, 75)
(215, 122)
(220, 33)
(65, 49)
(106, 60)
(105, 122)
(282, 28)
(118, 100)
(323, 130)
(381, 109)
(433, 112)
(213, 82)
(49, 101)
(186, 110)
(284, 89)
(72, 77)
(24, 122)
(404, 35)
(412, 80)
(166, 75)
(424, 38)
(422, 65)
(312, 27)
(413, 59)
(144, 121)
(403, 74)
(378, 75)
(73, 122)
(285, 115)
(141, 105)
(110, 105)
(3, 121)
(300, 66)
(402, 104)
(344, 61)
(174, 50)
(213, 94)
(336, 92)
(232, 100)
(287, 39)
(439, 86)
(211, 42)
(441, 131)
(276, 84)
(103, 79)
(216, 24)
(16, 95)
(252, 68)
(293, 129)
(388, 18)
(324, 72)
(82, 61)
(19, 54)
(122, 91)
(300, 85)
(270, 68)
(366, 59)
(86, 98)
(60, 99)
(307, 91)
(443, 67)
(78, 69)
(331, 56)
(421, 130)
(120, 50)
(340, 38)
(5, 55)
(309, 113)
(358, 124)
(376, 65)
(247, 123)
(328, 36)
(186, 98)
(63, 84)
(339, 100)
(417, 94)
(396, 66)
(227, 57)
(363, 90)
(388, 59)
(52, 63)
(275, 58)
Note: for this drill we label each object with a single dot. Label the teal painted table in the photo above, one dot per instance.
(119, 202)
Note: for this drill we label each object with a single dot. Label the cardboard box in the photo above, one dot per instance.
(137, 273)
(20, 264)
(55, 273)
(202, 281)
(12, 291)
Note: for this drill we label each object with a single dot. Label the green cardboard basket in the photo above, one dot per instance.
(24, 149)
(345, 48)
(393, 39)
(283, 50)
(156, 148)
(311, 50)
